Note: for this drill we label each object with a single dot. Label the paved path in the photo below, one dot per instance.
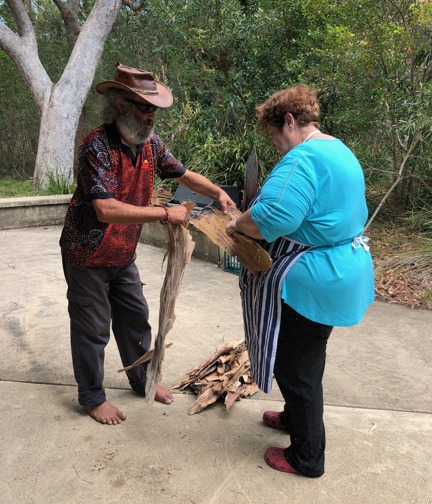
(378, 399)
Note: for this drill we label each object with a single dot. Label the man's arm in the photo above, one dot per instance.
(116, 212)
(201, 185)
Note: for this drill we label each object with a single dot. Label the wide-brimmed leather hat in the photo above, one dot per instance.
(141, 83)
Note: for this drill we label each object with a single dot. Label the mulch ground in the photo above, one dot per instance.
(403, 266)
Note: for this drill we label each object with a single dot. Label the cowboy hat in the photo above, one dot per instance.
(141, 83)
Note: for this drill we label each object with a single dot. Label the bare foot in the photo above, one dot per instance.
(105, 413)
(164, 395)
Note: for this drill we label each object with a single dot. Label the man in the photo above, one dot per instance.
(117, 165)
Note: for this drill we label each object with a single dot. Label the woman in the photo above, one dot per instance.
(310, 213)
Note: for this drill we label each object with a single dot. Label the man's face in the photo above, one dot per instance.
(137, 121)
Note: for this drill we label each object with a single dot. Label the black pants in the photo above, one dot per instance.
(97, 297)
(299, 369)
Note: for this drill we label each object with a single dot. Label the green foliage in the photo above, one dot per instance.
(420, 220)
(19, 128)
(58, 184)
(376, 90)
(371, 62)
(11, 188)
(219, 66)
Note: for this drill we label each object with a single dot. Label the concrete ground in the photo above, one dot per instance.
(378, 402)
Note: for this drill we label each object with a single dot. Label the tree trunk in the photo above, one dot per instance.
(60, 105)
(56, 148)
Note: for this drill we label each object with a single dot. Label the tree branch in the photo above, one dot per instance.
(25, 27)
(134, 5)
(399, 178)
(69, 13)
(23, 51)
(90, 42)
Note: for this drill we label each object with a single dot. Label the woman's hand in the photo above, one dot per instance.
(231, 227)
(244, 225)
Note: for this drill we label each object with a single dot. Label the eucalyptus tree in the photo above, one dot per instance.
(59, 103)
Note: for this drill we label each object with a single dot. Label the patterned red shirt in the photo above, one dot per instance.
(108, 169)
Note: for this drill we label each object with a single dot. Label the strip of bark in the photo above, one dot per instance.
(179, 251)
(248, 251)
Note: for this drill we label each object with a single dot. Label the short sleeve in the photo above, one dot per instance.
(166, 165)
(286, 198)
(96, 172)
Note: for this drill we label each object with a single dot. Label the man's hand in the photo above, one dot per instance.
(225, 201)
(178, 214)
(201, 185)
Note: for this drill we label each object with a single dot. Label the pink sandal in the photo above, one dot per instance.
(272, 419)
(275, 458)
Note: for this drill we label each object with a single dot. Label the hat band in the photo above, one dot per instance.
(142, 91)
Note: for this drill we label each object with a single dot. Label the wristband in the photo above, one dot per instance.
(167, 216)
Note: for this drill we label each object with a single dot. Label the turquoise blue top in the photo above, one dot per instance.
(316, 195)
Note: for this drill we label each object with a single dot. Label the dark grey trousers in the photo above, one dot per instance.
(97, 298)
(299, 369)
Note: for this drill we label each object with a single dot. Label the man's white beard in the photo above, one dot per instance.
(134, 131)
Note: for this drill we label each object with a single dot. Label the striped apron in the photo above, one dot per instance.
(262, 306)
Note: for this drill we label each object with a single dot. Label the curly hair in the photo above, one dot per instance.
(300, 100)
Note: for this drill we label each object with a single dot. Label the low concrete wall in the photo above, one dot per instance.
(34, 211)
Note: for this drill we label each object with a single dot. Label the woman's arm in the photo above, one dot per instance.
(245, 225)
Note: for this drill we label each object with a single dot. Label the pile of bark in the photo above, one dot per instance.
(225, 376)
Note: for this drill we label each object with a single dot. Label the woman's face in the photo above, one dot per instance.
(282, 139)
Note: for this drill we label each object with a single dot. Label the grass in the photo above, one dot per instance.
(12, 188)
(15, 188)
